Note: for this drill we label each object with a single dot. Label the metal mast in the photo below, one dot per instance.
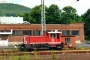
(43, 22)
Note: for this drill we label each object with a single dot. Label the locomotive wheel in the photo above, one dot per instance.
(22, 48)
(28, 49)
(47, 46)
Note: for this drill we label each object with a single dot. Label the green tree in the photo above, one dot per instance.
(86, 20)
(53, 14)
(69, 15)
(26, 16)
(35, 15)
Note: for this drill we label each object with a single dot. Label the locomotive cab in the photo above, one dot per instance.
(55, 39)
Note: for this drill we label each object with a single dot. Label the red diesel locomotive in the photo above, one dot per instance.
(47, 41)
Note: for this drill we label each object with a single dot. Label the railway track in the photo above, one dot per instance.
(43, 55)
(16, 53)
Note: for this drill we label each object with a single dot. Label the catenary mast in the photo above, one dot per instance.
(43, 22)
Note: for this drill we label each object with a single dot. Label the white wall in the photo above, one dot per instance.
(11, 20)
(4, 42)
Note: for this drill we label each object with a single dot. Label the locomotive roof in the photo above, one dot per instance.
(54, 32)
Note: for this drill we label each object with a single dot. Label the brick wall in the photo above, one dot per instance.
(72, 41)
(72, 26)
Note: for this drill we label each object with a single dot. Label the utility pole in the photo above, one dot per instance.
(43, 22)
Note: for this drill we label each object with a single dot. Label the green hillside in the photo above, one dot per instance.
(10, 9)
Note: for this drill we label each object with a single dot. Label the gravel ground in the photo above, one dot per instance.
(74, 56)
(79, 56)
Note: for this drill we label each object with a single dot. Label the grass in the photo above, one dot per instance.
(70, 56)
(23, 57)
(53, 54)
(35, 54)
(26, 57)
(81, 48)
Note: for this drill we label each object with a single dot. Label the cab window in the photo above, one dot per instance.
(53, 35)
(58, 36)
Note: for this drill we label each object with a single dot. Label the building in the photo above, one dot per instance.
(3, 2)
(71, 33)
(11, 20)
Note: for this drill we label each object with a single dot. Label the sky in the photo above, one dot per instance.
(81, 6)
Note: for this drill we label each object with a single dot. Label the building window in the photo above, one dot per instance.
(65, 32)
(5, 30)
(27, 32)
(36, 32)
(75, 32)
(67, 40)
(16, 33)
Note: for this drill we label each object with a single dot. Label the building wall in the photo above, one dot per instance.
(19, 28)
(15, 38)
(72, 41)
